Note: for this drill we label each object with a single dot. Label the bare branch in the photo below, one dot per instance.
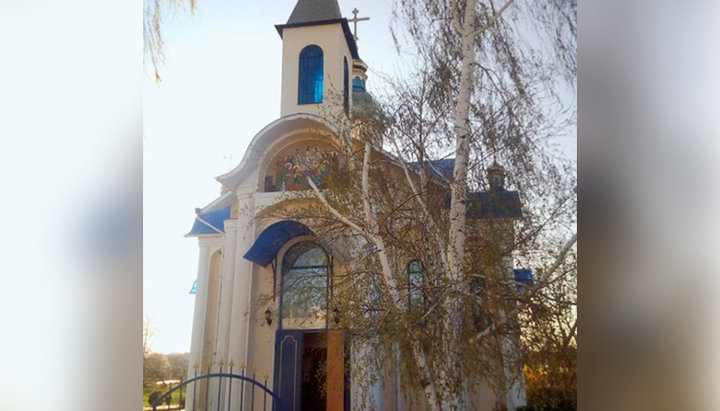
(560, 258)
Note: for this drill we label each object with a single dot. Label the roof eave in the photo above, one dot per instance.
(349, 38)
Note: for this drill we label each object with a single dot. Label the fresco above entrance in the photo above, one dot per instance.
(289, 170)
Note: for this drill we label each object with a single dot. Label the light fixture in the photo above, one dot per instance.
(268, 316)
(336, 315)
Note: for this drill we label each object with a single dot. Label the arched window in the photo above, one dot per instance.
(310, 85)
(416, 298)
(304, 298)
(346, 79)
(477, 289)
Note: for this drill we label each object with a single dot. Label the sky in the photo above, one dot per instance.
(220, 86)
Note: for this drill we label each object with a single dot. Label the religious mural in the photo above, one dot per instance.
(290, 169)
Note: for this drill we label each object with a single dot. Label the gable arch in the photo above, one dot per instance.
(277, 132)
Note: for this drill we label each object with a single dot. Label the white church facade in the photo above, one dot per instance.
(245, 312)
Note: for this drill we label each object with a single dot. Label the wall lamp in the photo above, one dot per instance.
(268, 316)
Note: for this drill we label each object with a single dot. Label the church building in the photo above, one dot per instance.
(246, 314)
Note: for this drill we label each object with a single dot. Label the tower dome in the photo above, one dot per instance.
(363, 103)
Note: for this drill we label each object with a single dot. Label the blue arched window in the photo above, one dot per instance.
(346, 79)
(310, 85)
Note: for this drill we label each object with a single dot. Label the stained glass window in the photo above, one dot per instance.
(310, 86)
(305, 271)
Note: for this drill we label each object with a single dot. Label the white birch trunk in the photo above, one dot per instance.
(452, 373)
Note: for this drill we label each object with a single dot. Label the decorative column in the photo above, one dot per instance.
(242, 288)
(226, 289)
(226, 297)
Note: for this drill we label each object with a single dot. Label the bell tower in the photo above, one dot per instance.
(318, 53)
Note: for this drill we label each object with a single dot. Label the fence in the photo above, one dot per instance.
(215, 390)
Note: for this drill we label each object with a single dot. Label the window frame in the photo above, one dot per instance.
(311, 72)
(346, 81)
(328, 280)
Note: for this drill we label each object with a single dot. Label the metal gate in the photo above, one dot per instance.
(247, 385)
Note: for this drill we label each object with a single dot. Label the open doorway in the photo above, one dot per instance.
(314, 372)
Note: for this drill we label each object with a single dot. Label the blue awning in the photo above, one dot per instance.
(210, 222)
(272, 239)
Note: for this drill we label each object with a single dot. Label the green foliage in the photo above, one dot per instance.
(156, 367)
(159, 366)
(178, 365)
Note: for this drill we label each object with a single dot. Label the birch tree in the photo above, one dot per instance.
(153, 41)
(482, 90)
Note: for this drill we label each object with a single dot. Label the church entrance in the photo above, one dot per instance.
(314, 372)
(310, 372)
(309, 358)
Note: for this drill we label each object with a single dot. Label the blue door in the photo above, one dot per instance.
(288, 369)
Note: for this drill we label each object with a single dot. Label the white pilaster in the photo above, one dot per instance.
(226, 290)
(242, 287)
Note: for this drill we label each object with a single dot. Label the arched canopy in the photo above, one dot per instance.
(269, 242)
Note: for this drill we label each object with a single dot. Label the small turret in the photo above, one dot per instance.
(363, 104)
(496, 177)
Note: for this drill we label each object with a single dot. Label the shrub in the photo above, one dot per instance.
(154, 396)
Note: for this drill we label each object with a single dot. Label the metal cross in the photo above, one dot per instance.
(355, 20)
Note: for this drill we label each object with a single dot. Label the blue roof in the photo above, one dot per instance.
(319, 12)
(269, 242)
(445, 167)
(494, 204)
(482, 204)
(210, 222)
(307, 11)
